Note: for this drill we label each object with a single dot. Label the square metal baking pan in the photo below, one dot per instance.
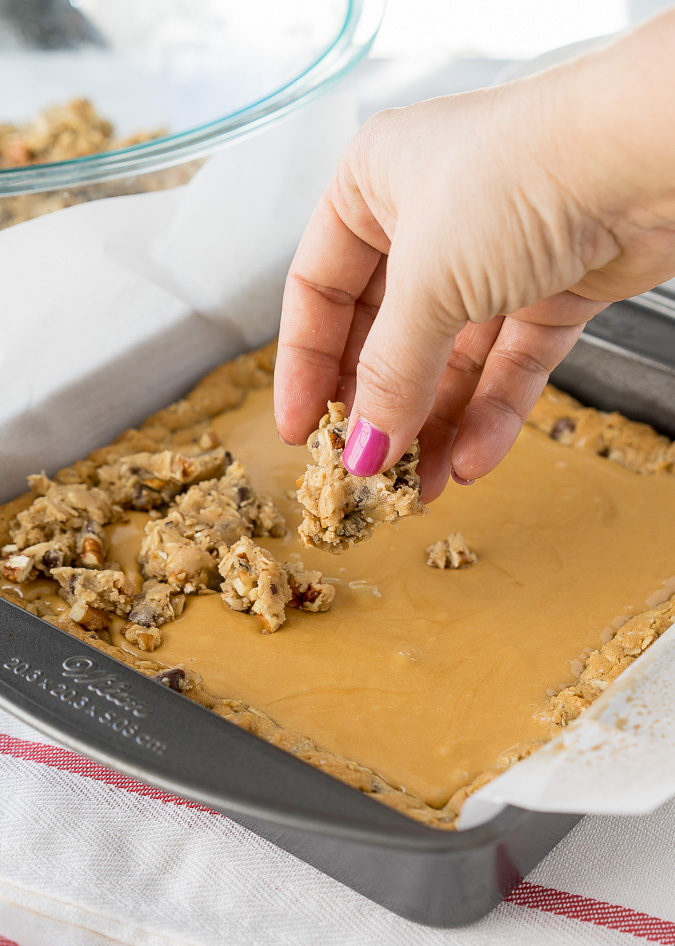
(625, 361)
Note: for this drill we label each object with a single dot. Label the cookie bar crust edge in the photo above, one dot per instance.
(633, 445)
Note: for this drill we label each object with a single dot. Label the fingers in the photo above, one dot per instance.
(331, 268)
(515, 374)
(565, 308)
(365, 311)
(457, 385)
(400, 366)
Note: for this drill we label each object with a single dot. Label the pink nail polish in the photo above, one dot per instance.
(460, 479)
(365, 450)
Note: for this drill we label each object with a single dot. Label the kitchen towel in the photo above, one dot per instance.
(89, 857)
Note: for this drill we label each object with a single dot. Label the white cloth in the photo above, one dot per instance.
(87, 859)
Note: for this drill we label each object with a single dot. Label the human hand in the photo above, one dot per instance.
(454, 259)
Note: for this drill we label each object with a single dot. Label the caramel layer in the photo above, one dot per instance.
(427, 676)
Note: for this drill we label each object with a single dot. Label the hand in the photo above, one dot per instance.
(453, 261)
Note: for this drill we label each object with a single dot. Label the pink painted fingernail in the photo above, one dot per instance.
(460, 479)
(365, 450)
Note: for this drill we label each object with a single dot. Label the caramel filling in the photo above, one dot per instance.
(427, 676)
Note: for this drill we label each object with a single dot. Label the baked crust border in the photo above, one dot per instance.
(633, 445)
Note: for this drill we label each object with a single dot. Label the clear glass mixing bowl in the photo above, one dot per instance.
(204, 71)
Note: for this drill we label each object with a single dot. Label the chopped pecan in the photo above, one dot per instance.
(145, 638)
(92, 545)
(94, 619)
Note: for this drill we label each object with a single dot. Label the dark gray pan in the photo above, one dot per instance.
(625, 361)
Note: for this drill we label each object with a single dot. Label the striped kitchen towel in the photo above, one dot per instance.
(89, 857)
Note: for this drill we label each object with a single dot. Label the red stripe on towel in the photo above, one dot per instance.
(610, 915)
(68, 761)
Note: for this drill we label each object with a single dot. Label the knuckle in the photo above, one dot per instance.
(384, 384)
(343, 192)
(501, 404)
(522, 361)
(464, 363)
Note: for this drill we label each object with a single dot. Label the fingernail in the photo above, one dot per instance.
(365, 450)
(287, 442)
(460, 479)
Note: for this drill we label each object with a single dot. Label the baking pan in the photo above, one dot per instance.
(109, 712)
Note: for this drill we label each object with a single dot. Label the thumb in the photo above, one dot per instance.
(399, 369)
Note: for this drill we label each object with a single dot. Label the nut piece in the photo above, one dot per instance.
(147, 480)
(255, 582)
(341, 509)
(91, 545)
(452, 552)
(309, 592)
(104, 589)
(145, 638)
(94, 619)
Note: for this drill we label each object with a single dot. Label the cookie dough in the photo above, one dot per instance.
(452, 552)
(185, 546)
(340, 509)
(255, 581)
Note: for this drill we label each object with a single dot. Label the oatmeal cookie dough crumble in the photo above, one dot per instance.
(452, 552)
(340, 509)
(257, 583)
(63, 524)
(148, 480)
(156, 604)
(185, 546)
(94, 592)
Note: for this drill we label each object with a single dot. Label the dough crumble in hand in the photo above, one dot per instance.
(340, 509)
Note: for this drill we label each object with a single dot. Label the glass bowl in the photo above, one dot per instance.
(179, 79)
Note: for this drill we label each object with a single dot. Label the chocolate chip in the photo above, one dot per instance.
(228, 458)
(144, 614)
(243, 493)
(604, 452)
(274, 589)
(72, 584)
(174, 679)
(562, 426)
(52, 559)
(144, 498)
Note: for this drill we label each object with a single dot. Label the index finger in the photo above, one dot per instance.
(330, 270)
